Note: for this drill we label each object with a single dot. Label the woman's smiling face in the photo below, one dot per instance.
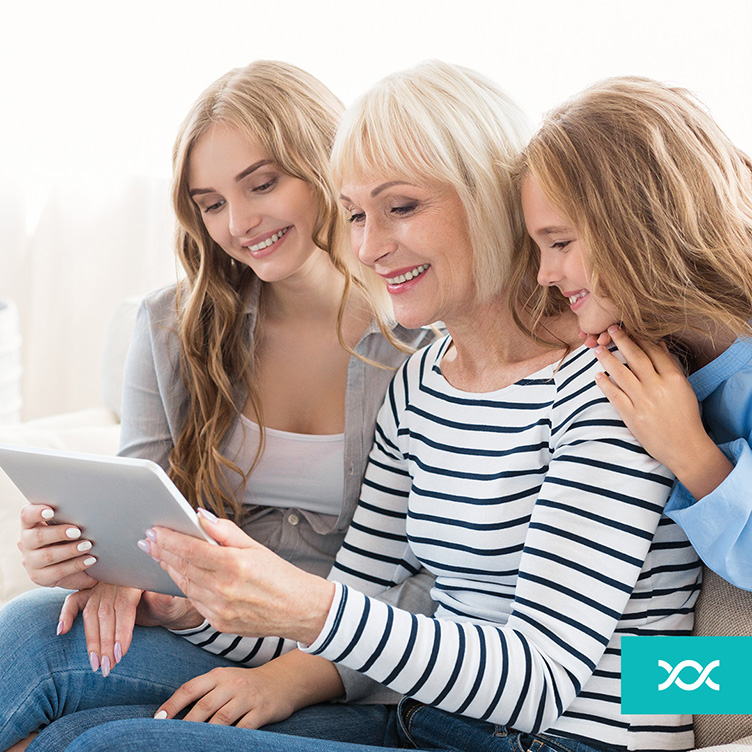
(562, 260)
(255, 212)
(415, 237)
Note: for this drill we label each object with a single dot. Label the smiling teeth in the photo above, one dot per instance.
(574, 298)
(269, 241)
(408, 275)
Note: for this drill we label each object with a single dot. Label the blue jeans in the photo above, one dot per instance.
(412, 726)
(46, 680)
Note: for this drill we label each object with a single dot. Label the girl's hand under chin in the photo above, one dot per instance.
(656, 402)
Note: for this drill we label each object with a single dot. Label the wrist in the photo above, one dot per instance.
(312, 617)
(703, 468)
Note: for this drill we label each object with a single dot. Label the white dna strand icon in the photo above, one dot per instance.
(703, 678)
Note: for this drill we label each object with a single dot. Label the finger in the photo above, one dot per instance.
(72, 606)
(126, 605)
(616, 396)
(604, 339)
(624, 378)
(636, 357)
(187, 694)
(663, 361)
(50, 565)
(590, 340)
(36, 514)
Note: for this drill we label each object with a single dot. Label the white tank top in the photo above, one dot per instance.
(298, 470)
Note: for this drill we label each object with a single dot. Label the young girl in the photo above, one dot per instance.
(242, 382)
(641, 211)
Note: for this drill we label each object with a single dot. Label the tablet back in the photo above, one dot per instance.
(113, 500)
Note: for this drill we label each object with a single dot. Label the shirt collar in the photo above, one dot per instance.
(708, 378)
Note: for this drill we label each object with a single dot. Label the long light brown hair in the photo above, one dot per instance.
(293, 117)
(661, 200)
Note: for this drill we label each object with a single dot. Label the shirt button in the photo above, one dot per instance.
(293, 518)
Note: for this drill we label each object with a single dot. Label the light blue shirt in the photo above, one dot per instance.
(720, 524)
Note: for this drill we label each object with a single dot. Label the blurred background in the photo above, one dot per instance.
(93, 92)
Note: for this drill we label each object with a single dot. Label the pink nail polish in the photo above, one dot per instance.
(59, 627)
(151, 535)
(105, 666)
(207, 515)
(94, 661)
(145, 546)
(118, 651)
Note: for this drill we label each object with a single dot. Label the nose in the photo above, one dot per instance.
(548, 270)
(243, 219)
(372, 242)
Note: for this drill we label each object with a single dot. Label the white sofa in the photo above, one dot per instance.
(722, 609)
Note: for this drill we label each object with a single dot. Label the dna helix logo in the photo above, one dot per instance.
(703, 675)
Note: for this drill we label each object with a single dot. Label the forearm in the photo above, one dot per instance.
(701, 467)
(310, 679)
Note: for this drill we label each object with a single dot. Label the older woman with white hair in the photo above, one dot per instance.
(498, 465)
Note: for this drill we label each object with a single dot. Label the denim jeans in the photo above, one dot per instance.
(47, 681)
(412, 726)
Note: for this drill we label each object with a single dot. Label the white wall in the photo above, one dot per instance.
(93, 91)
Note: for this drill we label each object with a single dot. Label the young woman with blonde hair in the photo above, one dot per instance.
(640, 209)
(255, 383)
(498, 465)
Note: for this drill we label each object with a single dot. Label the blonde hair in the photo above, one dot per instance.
(293, 117)
(442, 123)
(661, 200)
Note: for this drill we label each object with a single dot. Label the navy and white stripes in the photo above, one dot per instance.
(542, 520)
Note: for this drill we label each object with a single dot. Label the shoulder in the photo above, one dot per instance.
(159, 307)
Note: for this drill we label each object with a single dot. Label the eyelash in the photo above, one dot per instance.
(561, 244)
(214, 207)
(264, 187)
(398, 210)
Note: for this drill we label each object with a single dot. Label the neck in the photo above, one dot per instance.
(314, 293)
(489, 350)
(706, 345)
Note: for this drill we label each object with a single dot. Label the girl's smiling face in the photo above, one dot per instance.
(562, 260)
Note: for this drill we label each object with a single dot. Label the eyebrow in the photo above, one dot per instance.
(244, 174)
(379, 189)
(553, 230)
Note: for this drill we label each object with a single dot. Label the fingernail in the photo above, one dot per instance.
(151, 535)
(145, 546)
(94, 661)
(118, 651)
(106, 666)
(84, 546)
(73, 532)
(91, 560)
(161, 715)
(600, 375)
(47, 514)
(59, 627)
(613, 328)
(598, 350)
(207, 515)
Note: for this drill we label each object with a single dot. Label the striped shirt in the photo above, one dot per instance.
(541, 518)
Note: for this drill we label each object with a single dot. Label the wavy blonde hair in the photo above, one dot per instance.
(446, 124)
(662, 201)
(293, 117)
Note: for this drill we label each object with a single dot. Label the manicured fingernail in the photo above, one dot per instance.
(600, 375)
(613, 328)
(145, 546)
(84, 546)
(161, 715)
(60, 626)
(91, 560)
(47, 514)
(151, 535)
(207, 515)
(598, 350)
(106, 666)
(94, 660)
(73, 532)
(118, 651)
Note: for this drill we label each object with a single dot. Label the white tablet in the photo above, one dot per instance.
(113, 500)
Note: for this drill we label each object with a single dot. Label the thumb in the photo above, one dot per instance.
(224, 532)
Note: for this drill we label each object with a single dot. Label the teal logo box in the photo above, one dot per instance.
(703, 675)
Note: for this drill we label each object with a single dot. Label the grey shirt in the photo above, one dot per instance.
(155, 406)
